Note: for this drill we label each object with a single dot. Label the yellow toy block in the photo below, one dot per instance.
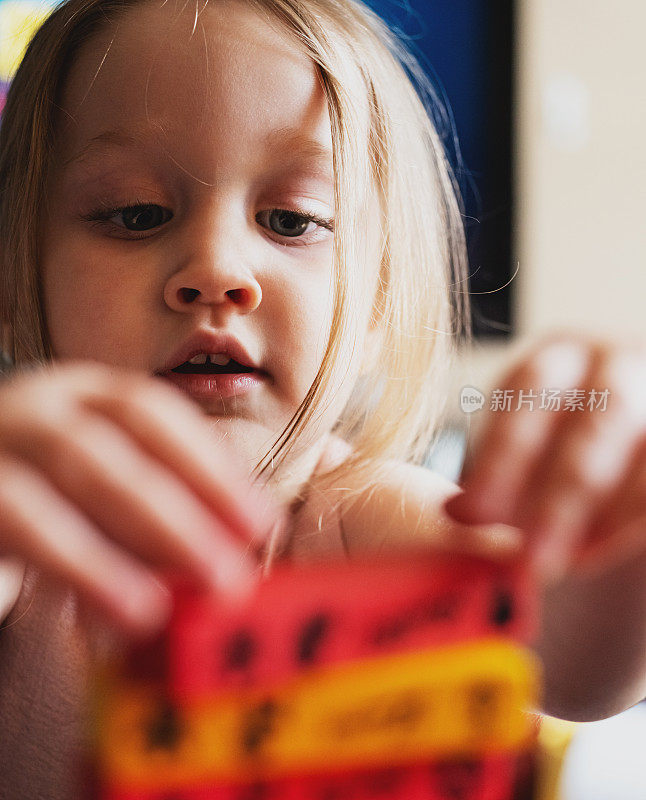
(465, 700)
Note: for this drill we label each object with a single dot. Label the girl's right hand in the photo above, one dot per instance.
(109, 477)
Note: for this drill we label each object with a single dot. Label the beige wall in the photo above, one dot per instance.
(581, 175)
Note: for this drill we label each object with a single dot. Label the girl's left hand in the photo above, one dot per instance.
(573, 478)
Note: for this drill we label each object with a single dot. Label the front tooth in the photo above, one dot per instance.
(201, 359)
(219, 358)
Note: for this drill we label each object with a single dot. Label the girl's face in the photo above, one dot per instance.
(211, 123)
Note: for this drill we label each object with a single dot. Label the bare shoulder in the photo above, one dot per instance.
(405, 504)
(340, 518)
(405, 509)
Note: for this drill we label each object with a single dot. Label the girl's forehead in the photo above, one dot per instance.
(227, 74)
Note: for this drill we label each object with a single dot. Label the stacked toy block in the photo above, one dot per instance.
(400, 679)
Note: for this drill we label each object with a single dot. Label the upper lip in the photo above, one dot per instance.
(210, 342)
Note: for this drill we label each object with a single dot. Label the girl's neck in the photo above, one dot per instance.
(291, 478)
(324, 456)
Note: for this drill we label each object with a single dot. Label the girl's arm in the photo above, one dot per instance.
(593, 643)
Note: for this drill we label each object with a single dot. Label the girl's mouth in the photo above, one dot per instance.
(211, 365)
(205, 377)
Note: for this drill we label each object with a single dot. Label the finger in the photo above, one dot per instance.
(135, 500)
(39, 525)
(512, 437)
(496, 542)
(618, 529)
(164, 422)
(168, 426)
(580, 468)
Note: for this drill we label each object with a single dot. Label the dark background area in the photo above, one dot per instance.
(466, 49)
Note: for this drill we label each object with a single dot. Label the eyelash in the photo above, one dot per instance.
(103, 214)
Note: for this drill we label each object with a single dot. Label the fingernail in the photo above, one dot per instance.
(455, 507)
(473, 508)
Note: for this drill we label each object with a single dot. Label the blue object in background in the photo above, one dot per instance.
(448, 38)
(466, 49)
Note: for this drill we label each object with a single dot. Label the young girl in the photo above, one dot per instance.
(258, 180)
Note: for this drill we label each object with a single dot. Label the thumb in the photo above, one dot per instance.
(491, 540)
(462, 525)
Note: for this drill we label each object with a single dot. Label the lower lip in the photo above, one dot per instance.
(207, 387)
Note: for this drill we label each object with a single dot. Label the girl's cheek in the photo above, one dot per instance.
(91, 313)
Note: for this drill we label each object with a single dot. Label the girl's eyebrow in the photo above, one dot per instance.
(290, 141)
(115, 137)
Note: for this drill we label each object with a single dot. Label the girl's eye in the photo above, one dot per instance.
(141, 217)
(136, 218)
(292, 224)
(144, 217)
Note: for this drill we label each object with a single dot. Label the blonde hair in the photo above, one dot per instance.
(420, 309)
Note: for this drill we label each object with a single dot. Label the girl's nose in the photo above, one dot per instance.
(189, 288)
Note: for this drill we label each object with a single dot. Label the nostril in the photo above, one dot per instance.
(187, 295)
(237, 295)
